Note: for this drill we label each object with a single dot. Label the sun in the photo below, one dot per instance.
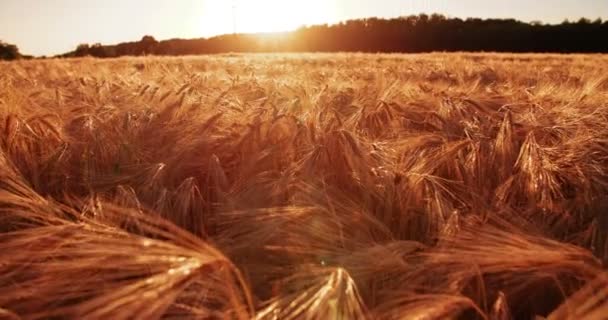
(275, 15)
(253, 16)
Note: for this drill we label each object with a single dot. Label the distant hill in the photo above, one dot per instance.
(421, 33)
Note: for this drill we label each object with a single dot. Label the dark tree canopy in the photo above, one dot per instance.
(421, 33)
(9, 51)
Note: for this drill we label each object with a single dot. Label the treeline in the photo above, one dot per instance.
(421, 33)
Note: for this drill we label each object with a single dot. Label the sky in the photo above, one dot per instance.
(48, 27)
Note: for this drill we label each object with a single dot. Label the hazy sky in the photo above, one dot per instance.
(55, 26)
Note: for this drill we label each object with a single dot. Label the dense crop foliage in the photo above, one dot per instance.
(305, 187)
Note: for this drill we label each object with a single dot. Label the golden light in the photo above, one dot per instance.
(252, 16)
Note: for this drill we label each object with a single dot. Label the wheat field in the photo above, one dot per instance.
(305, 186)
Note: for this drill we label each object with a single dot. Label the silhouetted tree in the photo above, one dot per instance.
(148, 45)
(82, 50)
(9, 51)
(97, 50)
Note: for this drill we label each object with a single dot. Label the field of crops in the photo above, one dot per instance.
(347, 186)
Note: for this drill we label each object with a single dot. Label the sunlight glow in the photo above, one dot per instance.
(58, 26)
(254, 16)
